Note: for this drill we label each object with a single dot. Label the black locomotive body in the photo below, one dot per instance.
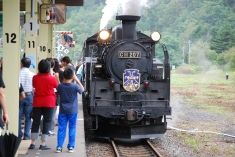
(127, 89)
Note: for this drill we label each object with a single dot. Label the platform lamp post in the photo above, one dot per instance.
(189, 42)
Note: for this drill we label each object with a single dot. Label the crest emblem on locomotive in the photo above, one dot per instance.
(131, 80)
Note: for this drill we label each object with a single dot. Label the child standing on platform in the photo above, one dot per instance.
(68, 109)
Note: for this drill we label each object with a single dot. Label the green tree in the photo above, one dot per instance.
(221, 60)
(173, 49)
(229, 57)
(223, 39)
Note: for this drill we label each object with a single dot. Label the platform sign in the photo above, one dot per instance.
(66, 51)
(60, 47)
(31, 26)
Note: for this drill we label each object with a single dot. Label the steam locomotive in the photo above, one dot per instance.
(127, 89)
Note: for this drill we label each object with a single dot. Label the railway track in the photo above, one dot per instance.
(137, 149)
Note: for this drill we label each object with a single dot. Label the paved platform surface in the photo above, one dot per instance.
(79, 150)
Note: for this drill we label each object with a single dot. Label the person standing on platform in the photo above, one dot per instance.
(68, 109)
(78, 65)
(3, 117)
(66, 63)
(59, 77)
(21, 92)
(25, 105)
(80, 73)
(43, 102)
(51, 129)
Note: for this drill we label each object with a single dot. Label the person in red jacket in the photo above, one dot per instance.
(44, 101)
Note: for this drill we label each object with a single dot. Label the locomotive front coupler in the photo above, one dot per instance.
(132, 115)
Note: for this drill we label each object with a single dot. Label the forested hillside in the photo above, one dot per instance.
(204, 26)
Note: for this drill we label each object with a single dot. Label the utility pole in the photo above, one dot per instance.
(189, 52)
(183, 55)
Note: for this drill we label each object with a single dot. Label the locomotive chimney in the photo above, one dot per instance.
(128, 26)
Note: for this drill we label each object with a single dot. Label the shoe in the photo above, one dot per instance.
(26, 138)
(45, 147)
(70, 150)
(51, 133)
(58, 150)
(32, 146)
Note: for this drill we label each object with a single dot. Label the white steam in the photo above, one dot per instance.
(129, 7)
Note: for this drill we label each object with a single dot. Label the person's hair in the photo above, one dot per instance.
(68, 74)
(66, 59)
(57, 65)
(26, 62)
(44, 66)
(52, 62)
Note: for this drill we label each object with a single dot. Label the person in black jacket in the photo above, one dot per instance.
(3, 117)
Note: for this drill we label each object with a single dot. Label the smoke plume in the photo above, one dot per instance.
(129, 7)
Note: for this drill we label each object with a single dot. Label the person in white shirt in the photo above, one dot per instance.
(25, 105)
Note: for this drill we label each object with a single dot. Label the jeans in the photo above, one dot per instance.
(79, 76)
(25, 108)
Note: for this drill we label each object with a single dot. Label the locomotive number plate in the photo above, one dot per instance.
(129, 54)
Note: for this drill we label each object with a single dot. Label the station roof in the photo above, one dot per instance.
(66, 2)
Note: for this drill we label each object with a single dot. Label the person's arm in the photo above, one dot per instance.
(57, 77)
(3, 105)
(78, 82)
(22, 95)
(51, 72)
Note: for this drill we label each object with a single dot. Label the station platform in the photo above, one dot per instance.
(79, 150)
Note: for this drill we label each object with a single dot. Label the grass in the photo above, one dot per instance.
(209, 91)
(213, 109)
(192, 142)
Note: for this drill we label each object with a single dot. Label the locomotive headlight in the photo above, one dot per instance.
(104, 35)
(155, 35)
(98, 66)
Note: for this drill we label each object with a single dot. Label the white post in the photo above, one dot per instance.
(189, 52)
(183, 55)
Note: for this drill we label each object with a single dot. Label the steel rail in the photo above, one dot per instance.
(115, 148)
(153, 148)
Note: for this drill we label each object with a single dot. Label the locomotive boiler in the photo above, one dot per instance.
(127, 88)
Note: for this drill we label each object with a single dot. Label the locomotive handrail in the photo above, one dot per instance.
(94, 106)
(167, 67)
